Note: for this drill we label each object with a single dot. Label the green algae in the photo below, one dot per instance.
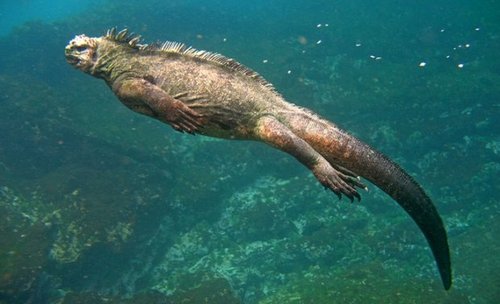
(215, 291)
(365, 284)
(24, 246)
(93, 298)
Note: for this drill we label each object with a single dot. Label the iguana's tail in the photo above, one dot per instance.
(342, 149)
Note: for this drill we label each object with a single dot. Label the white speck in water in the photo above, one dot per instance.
(467, 45)
(422, 64)
(378, 58)
(447, 56)
(289, 72)
(225, 39)
(318, 42)
(460, 65)
(442, 30)
(319, 25)
(477, 29)
(358, 44)
(326, 24)
(372, 56)
(264, 61)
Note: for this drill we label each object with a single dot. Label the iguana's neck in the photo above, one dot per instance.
(113, 62)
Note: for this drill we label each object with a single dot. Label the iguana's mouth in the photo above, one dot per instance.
(71, 57)
(72, 60)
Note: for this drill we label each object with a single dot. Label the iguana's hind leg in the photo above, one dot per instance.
(276, 134)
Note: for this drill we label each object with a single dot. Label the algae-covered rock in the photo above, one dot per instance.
(95, 298)
(24, 245)
(358, 284)
(213, 291)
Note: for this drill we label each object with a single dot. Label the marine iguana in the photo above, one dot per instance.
(206, 93)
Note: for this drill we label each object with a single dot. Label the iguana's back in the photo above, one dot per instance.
(229, 96)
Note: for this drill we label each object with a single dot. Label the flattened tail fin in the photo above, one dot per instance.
(393, 180)
(421, 209)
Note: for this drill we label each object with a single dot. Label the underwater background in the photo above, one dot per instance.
(101, 205)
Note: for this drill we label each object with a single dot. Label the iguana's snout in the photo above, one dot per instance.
(81, 52)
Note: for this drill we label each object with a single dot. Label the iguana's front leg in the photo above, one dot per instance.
(273, 132)
(146, 98)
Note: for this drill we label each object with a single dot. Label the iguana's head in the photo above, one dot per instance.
(98, 56)
(81, 52)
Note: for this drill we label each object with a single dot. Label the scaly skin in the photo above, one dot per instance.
(205, 93)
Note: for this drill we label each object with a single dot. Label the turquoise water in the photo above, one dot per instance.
(101, 205)
(16, 13)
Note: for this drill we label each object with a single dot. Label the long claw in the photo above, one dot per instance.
(338, 182)
(358, 197)
(187, 120)
(350, 197)
(345, 171)
(357, 183)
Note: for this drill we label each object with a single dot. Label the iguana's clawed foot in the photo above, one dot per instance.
(338, 182)
(184, 119)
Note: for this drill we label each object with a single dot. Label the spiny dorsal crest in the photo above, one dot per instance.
(133, 40)
(123, 36)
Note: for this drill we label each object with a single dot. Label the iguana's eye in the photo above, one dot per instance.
(81, 48)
